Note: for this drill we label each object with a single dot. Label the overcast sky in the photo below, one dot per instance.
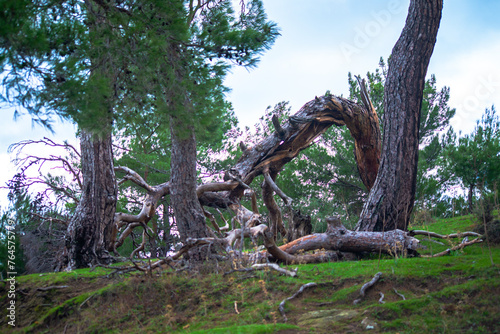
(323, 40)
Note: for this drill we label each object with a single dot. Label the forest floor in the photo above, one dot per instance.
(457, 293)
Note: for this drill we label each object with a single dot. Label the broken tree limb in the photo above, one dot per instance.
(281, 307)
(274, 266)
(338, 238)
(444, 236)
(277, 126)
(264, 266)
(276, 189)
(311, 121)
(462, 245)
(366, 286)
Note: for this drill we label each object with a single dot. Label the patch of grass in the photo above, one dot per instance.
(248, 329)
(455, 293)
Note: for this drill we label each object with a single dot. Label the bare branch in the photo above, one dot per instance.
(134, 177)
(462, 245)
(277, 126)
(444, 236)
(276, 189)
(263, 266)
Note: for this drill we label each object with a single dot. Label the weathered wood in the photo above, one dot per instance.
(300, 226)
(366, 286)
(342, 239)
(311, 121)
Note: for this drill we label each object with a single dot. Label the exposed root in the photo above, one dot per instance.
(381, 300)
(366, 286)
(281, 307)
(399, 294)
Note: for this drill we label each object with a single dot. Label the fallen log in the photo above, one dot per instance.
(339, 238)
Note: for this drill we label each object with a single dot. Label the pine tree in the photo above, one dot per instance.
(96, 62)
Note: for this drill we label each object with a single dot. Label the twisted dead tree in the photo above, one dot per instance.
(267, 158)
(390, 178)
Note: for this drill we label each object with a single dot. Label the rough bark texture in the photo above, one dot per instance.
(390, 202)
(311, 121)
(91, 228)
(338, 238)
(189, 215)
(301, 226)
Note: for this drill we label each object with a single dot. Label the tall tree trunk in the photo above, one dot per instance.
(90, 230)
(390, 202)
(470, 197)
(184, 200)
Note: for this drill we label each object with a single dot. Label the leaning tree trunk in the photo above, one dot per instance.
(91, 228)
(390, 202)
(188, 212)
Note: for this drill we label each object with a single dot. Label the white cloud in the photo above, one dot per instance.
(474, 80)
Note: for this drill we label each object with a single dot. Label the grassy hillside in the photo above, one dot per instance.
(455, 293)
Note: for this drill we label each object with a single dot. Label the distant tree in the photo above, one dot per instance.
(474, 159)
(95, 62)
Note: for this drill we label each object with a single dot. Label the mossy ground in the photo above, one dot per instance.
(451, 294)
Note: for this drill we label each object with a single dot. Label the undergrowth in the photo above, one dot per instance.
(454, 293)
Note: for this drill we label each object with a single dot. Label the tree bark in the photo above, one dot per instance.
(390, 202)
(311, 121)
(91, 228)
(184, 200)
(470, 198)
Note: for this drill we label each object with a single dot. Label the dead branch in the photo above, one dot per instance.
(444, 236)
(274, 266)
(462, 245)
(277, 126)
(338, 238)
(141, 246)
(281, 307)
(131, 175)
(216, 186)
(276, 189)
(273, 208)
(263, 266)
(366, 286)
